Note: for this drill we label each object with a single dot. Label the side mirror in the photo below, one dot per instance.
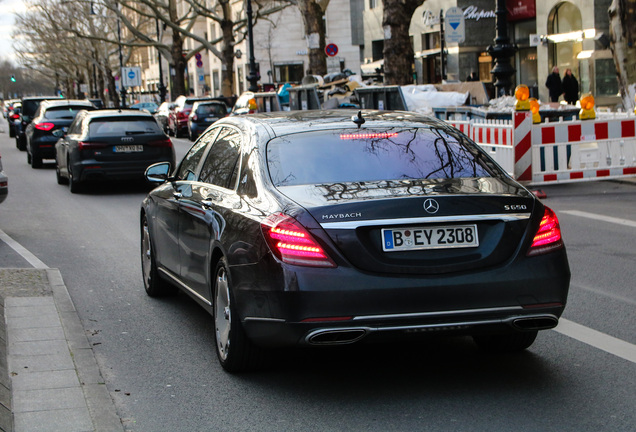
(158, 173)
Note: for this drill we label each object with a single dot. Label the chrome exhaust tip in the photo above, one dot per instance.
(335, 336)
(543, 322)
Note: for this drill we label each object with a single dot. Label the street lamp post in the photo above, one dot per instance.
(160, 87)
(121, 67)
(253, 76)
(502, 51)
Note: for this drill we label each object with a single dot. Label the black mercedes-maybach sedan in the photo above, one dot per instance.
(323, 228)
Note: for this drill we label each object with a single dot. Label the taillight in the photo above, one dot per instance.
(160, 143)
(44, 126)
(15, 116)
(90, 145)
(548, 236)
(292, 243)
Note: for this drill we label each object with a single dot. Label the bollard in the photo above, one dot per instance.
(587, 107)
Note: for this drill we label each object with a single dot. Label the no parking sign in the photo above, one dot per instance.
(331, 49)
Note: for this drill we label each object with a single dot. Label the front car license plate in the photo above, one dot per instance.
(128, 148)
(433, 237)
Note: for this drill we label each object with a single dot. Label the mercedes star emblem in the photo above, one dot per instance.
(431, 206)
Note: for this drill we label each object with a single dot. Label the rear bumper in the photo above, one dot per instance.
(343, 305)
(89, 170)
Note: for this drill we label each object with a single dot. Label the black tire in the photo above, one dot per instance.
(29, 158)
(61, 180)
(36, 162)
(235, 351)
(73, 184)
(20, 143)
(154, 285)
(506, 342)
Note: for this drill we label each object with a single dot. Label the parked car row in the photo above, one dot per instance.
(90, 144)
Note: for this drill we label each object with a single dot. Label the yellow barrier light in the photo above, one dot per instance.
(522, 93)
(587, 107)
(534, 107)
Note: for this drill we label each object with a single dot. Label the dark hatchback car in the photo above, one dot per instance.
(316, 228)
(50, 116)
(203, 114)
(179, 113)
(110, 144)
(29, 107)
(13, 118)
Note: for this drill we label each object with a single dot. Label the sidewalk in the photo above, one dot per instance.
(49, 378)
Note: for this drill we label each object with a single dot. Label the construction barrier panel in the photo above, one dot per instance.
(557, 152)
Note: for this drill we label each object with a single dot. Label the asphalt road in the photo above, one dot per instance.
(158, 359)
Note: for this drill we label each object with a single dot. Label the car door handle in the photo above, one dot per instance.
(177, 195)
(207, 203)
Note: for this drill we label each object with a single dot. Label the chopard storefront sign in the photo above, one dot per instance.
(471, 12)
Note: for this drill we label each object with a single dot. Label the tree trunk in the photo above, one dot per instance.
(227, 60)
(313, 18)
(398, 50)
(622, 35)
(113, 95)
(179, 64)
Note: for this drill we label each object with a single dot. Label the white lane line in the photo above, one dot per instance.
(619, 221)
(599, 340)
(22, 251)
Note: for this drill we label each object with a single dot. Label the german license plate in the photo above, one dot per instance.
(128, 148)
(434, 237)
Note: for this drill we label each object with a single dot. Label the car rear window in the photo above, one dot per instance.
(29, 107)
(353, 155)
(212, 110)
(103, 127)
(64, 112)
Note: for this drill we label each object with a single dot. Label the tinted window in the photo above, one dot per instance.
(29, 107)
(189, 164)
(129, 126)
(220, 165)
(64, 112)
(371, 155)
(211, 110)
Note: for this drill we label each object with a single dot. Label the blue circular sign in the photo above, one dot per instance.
(131, 74)
(331, 50)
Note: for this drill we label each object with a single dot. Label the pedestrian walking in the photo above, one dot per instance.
(554, 85)
(570, 87)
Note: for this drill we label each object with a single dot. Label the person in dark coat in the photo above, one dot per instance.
(570, 87)
(554, 85)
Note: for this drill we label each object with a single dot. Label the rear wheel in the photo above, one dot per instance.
(154, 285)
(235, 351)
(73, 184)
(61, 180)
(36, 161)
(507, 342)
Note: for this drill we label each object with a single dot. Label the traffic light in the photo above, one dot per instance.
(12, 78)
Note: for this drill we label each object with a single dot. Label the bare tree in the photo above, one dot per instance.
(622, 37)
(313, 14)
(398, 50)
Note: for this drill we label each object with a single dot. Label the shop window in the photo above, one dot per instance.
(289, 72)
(485, 66)
(606, 83)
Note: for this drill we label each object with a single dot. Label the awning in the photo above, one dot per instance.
(428, 52)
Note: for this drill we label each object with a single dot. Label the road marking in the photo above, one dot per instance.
(599, 340)
(619, 221)
(22, 251)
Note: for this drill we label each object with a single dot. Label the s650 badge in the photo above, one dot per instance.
(515, 207)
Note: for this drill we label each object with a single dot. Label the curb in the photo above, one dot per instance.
(31, 283)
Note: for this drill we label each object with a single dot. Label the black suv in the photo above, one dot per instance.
(50, 116)
(203, 114)
(29, 107)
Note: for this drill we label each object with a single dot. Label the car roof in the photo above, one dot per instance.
(289, 122)
(117, 113)
(66, 102)
(40, 98)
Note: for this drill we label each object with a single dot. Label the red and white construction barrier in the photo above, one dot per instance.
(558, 152)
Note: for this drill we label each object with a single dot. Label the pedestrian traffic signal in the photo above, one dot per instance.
(12, 78)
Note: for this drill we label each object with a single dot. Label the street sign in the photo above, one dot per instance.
(131, 76)
(199, 63)
(331, 49)
(454, 26)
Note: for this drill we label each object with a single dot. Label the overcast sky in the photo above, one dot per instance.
(7, 9)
